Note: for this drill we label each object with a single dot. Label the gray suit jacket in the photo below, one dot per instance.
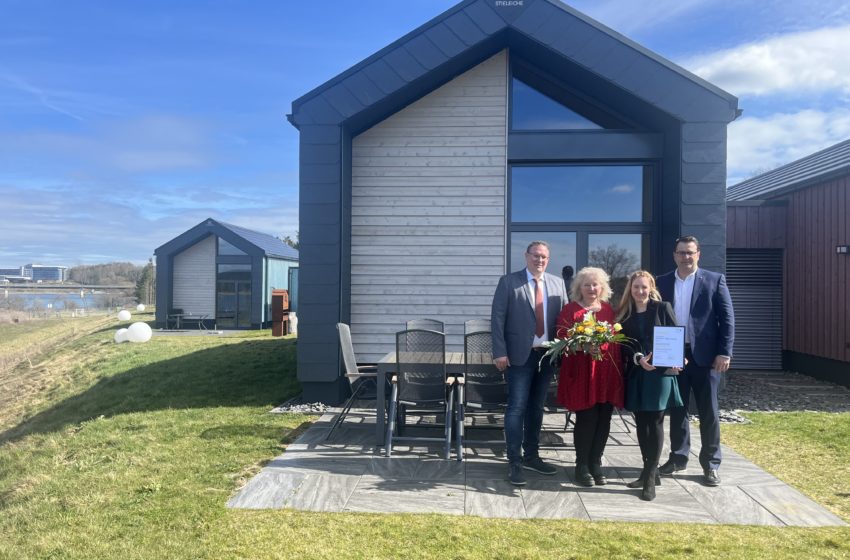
(512, 319)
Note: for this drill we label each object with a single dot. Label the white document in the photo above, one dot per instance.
(668, 347)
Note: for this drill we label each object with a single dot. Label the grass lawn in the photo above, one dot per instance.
(138, 447)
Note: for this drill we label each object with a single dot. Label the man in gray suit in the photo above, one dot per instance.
(525, 307)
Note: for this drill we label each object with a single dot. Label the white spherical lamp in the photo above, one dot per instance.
(139, 332)
(120, 336)
(123, 315)
(140, 307)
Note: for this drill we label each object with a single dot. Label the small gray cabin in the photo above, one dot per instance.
(224, 274)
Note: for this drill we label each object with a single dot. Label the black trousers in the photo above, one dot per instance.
(650, 435)
(591, 433)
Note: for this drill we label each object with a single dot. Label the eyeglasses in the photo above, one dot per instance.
(686, 253)
(538, 257)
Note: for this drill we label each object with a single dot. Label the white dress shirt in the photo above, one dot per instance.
(684, 292)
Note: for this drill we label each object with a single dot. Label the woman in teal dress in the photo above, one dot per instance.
(649, 391)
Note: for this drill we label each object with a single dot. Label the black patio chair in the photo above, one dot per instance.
(482, 388)
(476, 325)
(420, 382)
(362, 378)
(425, 324)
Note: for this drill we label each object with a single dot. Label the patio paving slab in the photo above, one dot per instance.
(348, 473)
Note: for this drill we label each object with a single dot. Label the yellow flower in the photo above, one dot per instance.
(600, 328)
(618, 327)
(579, 329)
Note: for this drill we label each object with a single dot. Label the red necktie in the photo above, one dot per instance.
(538, 309)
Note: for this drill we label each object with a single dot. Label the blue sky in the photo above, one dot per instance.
(123, 124)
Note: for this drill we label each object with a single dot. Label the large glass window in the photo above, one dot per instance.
(225, 248)
(618, 254)
(562, 249)
(533, 110)
(578, 193)
(591, 215)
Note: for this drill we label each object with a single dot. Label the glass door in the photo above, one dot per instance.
(225, 317)
(243, 305)
(233, 296)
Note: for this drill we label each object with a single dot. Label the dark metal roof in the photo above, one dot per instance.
(253, 242)
(469, 32)
(272, 246)
(816, 168)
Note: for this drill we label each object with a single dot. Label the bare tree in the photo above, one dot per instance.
(616, 261)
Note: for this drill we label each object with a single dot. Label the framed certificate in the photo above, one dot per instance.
(668, 347)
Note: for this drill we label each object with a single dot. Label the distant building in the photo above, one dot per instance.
(19, 271)
(225, 274)
(788, 264)
(45, 273)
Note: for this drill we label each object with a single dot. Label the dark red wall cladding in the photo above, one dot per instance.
(814, 222)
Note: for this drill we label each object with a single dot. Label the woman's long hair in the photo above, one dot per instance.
(627, 302)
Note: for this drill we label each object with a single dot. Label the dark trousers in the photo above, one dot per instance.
(704, 381)
(591, 433)
(650, 435)
(527, 386)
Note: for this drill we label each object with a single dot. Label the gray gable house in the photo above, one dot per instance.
(428, 167)
(224, 273)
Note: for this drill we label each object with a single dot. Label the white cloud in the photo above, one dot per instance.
(796, 63)
(623, 189)
(757, 145)
(631, 17)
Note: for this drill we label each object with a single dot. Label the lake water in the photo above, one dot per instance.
(59, 300)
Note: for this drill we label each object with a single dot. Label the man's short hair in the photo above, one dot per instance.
(686, 239)
(533, 243)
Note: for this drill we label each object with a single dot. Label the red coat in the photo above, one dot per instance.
(584, 381)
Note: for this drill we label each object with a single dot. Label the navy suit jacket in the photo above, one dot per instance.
(512, 319)
(711, 329)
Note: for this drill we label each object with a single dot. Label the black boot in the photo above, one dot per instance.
(648, 492)
(597, 474)
(639, 482)
(582, 475)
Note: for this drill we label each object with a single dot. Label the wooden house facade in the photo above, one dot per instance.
(427, 168)
(796, 216)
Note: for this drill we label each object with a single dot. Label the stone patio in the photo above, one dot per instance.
(349, 474)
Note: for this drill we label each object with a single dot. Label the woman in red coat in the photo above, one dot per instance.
(590, 388)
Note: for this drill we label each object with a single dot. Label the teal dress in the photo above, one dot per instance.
(648, 390)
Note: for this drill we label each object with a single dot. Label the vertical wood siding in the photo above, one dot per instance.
(194, 278)
(755, 227)
(816, 278)
(428, 211)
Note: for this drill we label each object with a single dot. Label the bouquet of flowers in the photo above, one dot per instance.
(588, 336)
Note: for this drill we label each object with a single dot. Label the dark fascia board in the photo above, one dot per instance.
(757, 203)
(413, 61)
(204, 229)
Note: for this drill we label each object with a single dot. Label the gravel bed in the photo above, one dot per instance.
(296, 405)
(743, 391)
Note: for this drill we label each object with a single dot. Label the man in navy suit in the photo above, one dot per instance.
(703, 306)
(525, 307)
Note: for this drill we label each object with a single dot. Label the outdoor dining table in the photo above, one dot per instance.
(387, 366)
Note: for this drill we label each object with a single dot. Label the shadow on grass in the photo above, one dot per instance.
(252, 373)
